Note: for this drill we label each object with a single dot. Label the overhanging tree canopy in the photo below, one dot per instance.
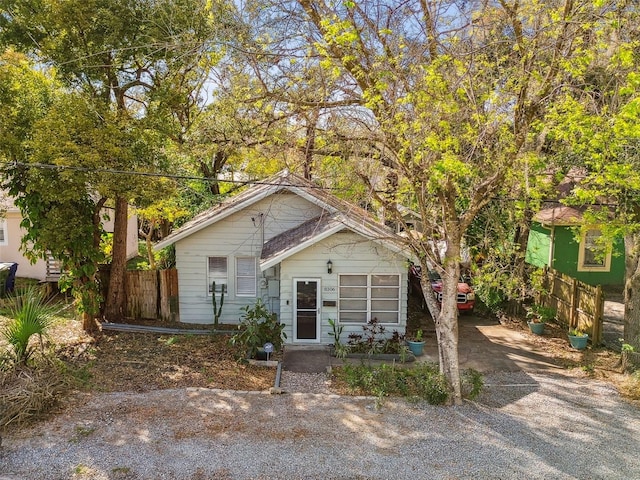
(139, 67)
(448, 101)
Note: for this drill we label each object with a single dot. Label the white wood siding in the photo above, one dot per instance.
(239, 235)
(350, 253)
(10, 252)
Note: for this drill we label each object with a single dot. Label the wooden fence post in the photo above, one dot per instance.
(598, 317)
(169, 309)
(573, 309)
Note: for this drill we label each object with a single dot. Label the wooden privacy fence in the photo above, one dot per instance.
(152, 294)
(578, 305)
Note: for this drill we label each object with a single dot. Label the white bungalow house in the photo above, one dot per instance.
(308, 255)
(11, 233)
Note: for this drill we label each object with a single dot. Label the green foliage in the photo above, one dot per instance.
(336, 332)
(418, 336)
(577, 332)
(166, 258)
(163, 211)
(472, 383)
(31, 314)
(25, 94)
(422, 381)
(119, 117)
(373, 340)
(626, 347)
(257, 327)
(540, 313)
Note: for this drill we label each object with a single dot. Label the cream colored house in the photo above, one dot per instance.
(308, 255)
(11, 234)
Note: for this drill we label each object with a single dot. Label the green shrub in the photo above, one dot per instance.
(472, 383)
(257, 327)
(540, 313)
(423, 381)
(31, 314)
(427, 383)
(373, 340)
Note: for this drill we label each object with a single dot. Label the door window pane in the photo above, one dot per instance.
(306, 295)
(306, 328)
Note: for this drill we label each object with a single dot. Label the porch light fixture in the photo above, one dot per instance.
(329, 266)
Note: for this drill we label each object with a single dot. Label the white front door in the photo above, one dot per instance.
(306, 294)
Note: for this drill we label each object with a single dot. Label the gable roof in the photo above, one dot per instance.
(559, 215)
(312, 231)
(338, 215)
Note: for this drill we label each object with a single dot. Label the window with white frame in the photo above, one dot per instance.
(594, 254)
(364, 297)
(217, 273)
(246, 270)
(3, 232)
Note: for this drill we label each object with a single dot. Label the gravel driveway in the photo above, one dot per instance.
(523, 426)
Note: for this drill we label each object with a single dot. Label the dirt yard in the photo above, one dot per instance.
(141, 362)
(124, 361)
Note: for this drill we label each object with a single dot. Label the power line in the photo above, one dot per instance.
(75, 168)
(239, 183)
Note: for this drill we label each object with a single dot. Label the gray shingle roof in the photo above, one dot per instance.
(286, 240)
(337, 212)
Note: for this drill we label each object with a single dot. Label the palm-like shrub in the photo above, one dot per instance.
(31, 314)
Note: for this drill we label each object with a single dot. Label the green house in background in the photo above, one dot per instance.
(553, 242)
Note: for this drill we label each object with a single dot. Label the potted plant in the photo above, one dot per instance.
(416, 344)
(578, 339)
(537, 316)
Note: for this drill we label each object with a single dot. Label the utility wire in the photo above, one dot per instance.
(239, 183)
(75, 168)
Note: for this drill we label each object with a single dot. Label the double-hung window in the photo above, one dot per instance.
(246, 270)
(217, 274)
(595, 255)
(365, 297)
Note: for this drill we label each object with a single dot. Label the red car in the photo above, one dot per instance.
(466, 295)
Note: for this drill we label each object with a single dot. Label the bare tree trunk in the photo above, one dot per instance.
(446, 319)
(89, 324)
(447, 330)
(632, 291)
(148, 237)
(310, 144)
(150, 256)
(114, 303)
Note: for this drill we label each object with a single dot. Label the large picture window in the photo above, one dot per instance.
(595, 255)
(217, 272)
(246, 276)
(365, 297)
